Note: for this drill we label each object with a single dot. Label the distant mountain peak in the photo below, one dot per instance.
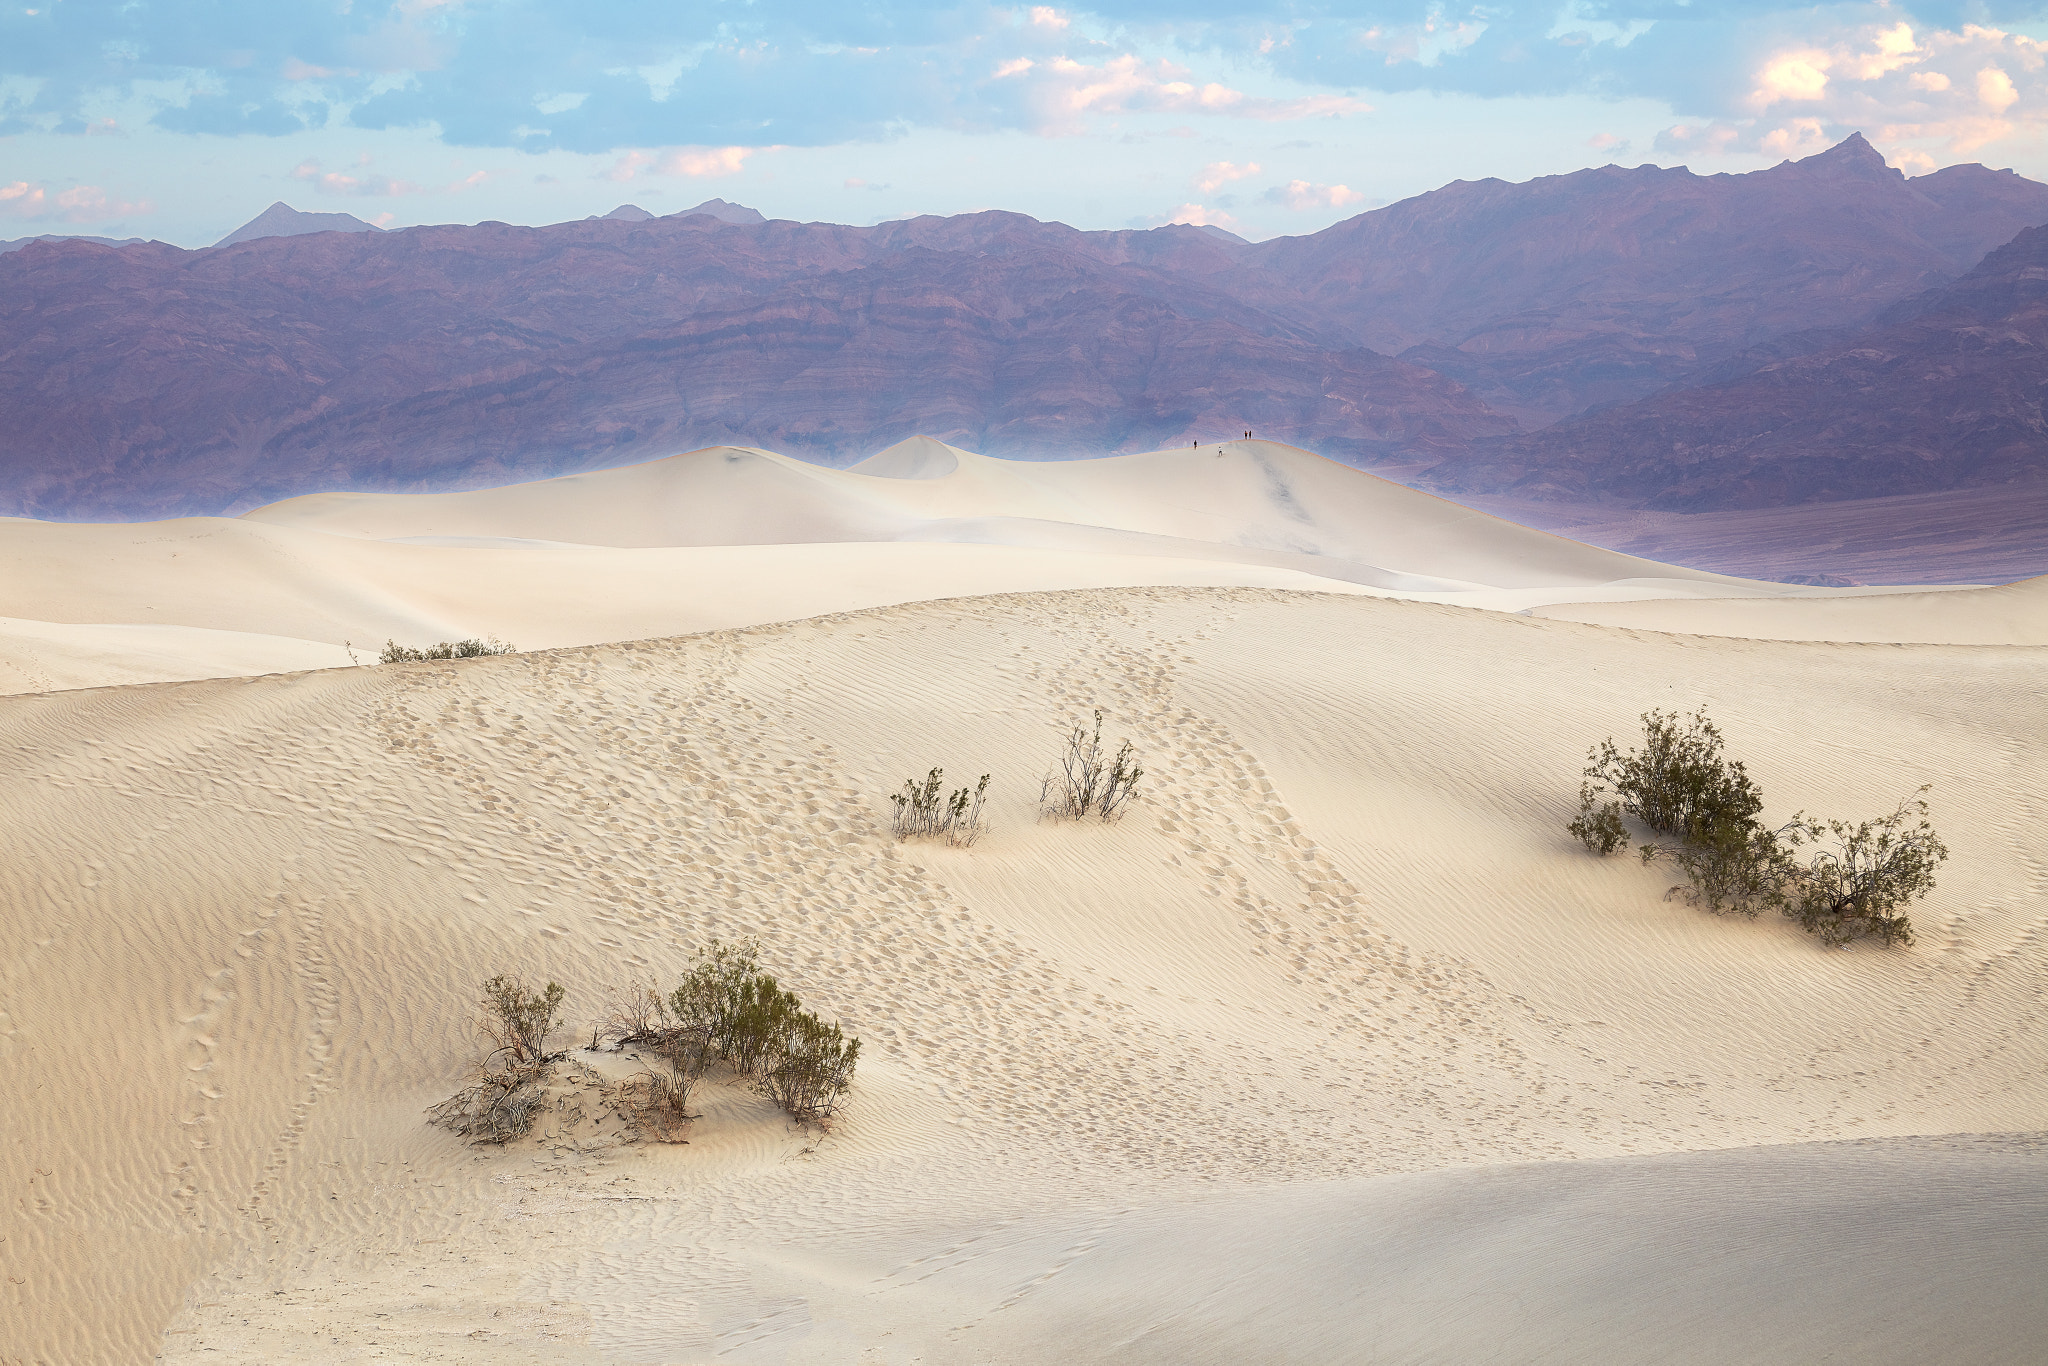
(282, 220)
(627, 213)
(1853, 155)
(724, 211)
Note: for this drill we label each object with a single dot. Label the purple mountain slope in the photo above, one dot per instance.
(1949, 391)
(1609, 285)
(153, 381)
(150, 380)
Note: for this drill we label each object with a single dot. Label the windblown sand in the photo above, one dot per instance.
(734, 536)
(1337, 1049)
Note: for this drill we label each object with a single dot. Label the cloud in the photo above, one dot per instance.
(1063, 93)
(694, 162)
(1217, 174)
(1196, 216)
(614, 80)
(1607, 142)
(1302, 195)
(1911, 91)
(79, 204)
(334, 182)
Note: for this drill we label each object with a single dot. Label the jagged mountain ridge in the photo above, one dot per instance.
(152, 381)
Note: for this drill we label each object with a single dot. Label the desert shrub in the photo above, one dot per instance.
(394, 653)
(658, 1104)
(814, 1070)
(1858, 888)
(1085, 783)
(726, 1009)
(1676, 784)
(511, 1088)
(518, 1019)
(1679, 785)
(921, 811)
(501, 1106)
(1598, 825)
(1739, 866)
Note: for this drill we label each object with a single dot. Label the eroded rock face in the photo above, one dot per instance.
(1946, 392)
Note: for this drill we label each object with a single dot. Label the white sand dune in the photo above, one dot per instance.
(2011, 614)
(1337, 1049)
(734, 536)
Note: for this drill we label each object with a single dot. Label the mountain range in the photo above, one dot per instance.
(1642, 336)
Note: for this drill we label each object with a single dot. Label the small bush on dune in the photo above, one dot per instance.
(511, 1088)
(1856, 890)
(394, 653)
(726, 1009)
(1678, 784)
(922, 812)
(1085, 784)
(519, 1020)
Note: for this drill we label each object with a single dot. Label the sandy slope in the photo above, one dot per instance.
(2012, 614)
(733, 537)
(1284, 1068)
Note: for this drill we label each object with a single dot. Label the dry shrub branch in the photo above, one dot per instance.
(510, 1091)
(922, 813)
(1085, 783)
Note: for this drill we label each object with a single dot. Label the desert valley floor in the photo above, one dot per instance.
(1337, 1049)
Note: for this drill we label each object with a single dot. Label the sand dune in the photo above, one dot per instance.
(1338, 1049)
(2012, 614)
(735, 537)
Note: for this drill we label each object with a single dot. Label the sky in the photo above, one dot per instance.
(182, 119)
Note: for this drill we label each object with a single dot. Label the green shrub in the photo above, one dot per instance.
(1679, 785)
(1085, 783)
(727, 1009)
(1676, 784)
(511, 1090)
(519, 1020)
(921, 811)
(394, 653)
(814, 1069)
(1856, 890)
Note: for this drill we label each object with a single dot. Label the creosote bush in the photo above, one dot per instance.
(922, 812)
(394, 653)
(1085, 784)
(1678, 785)
(511, 1087)
(1858, 888)
(726, 1010)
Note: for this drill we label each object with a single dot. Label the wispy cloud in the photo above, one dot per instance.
(78, 204)
(693, 162)
(1217, 174)
(1302, 195)
(337, 182)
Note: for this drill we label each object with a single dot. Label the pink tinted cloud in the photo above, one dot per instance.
(693, 162)
(79, 204)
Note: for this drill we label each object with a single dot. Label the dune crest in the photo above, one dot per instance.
(735, 536)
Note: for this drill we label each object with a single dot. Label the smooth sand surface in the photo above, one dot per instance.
(2011, 614)
(1337, 1049)
(734, 536)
